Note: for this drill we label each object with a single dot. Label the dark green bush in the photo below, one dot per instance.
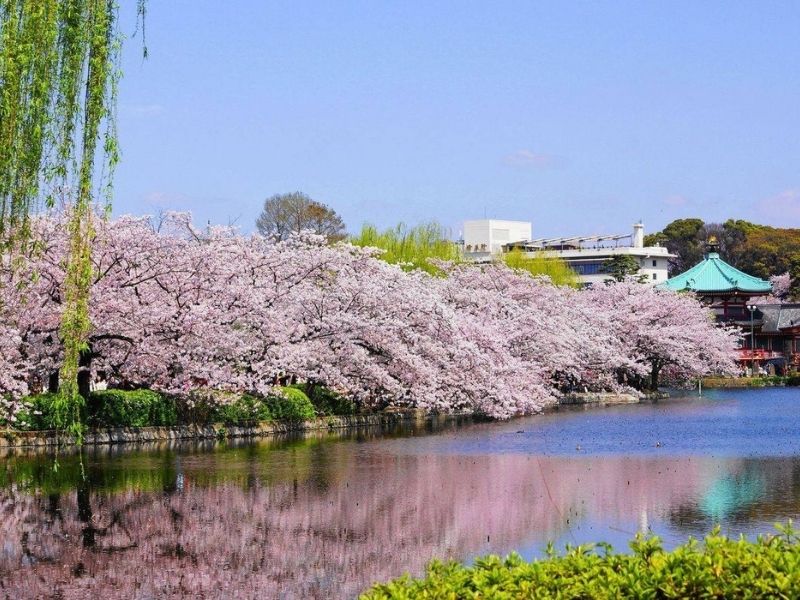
(143, 408)
(718, 568)
(793, 380)
(293, 405)
(136, 408)
(327, 402)
(245, 410)
(38, 414)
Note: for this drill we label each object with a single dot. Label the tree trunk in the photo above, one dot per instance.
(654, 373)
(52, 382)
(85, 374)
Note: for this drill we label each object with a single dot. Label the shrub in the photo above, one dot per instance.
(245, 410)
(201, 406)
(719, 568)
(326, 401)
(38, 414)
(291, 405)
(137, 408)
(793, 380)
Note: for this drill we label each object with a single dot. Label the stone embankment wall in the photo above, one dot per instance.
(600, 399)
(122, 435)
(136, 435)
(748, 382)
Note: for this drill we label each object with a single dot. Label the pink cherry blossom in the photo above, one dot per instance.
(175, 309)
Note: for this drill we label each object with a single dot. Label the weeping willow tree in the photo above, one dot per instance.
(542, 263)
(410, 247)
(59, 69)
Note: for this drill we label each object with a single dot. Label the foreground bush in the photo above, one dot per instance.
(718, 568)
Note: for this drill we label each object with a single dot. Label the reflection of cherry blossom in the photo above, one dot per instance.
(322, 521)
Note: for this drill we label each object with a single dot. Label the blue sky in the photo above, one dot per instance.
(581, 117)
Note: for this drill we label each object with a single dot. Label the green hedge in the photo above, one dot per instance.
(107, 408)
(38, 414)
(136, 408)
(293, 406)
(718, 568)
(143, 408)
(327, 402)
(244, 410)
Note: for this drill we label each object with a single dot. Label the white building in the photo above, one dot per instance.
(488, 236)
(586, 255)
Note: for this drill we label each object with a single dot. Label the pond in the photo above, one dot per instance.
(325, 516)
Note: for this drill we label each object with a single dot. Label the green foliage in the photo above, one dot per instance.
(58, 76)
(542, 264)
(718, 568)
(768, 251)
(684, 238)
(621, 266)
(40, 412)
(411, 248)
(327, 402)
(245, 410)
(145, 408)
(793, 380)
(292, 405)
(136, 408)
(759, 250)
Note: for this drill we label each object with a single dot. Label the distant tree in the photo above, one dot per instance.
(543, 264)
(410, 247)
(685, 239)
(768, 251)
(759, 250)
(793, 293)
(621, 267)
(731, 235)
(285, 214)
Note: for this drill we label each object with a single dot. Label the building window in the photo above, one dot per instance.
(655, 263)
(588, 268)
(655, 276)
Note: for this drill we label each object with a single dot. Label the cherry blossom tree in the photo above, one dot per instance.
(781, 286)
(664, 331)
(178, 310)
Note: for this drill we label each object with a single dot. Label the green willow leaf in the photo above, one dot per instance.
(59, 70)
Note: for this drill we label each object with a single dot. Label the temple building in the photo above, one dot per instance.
(770, 330)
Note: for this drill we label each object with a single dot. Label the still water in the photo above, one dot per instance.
(323, 517)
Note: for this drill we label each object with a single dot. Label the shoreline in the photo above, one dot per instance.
(108, 436)
(11, 439)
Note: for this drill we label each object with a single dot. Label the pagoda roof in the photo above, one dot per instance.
(715, 275)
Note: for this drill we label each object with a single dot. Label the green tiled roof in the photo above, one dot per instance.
(715, 275)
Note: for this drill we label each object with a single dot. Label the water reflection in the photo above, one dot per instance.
(325, 518)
